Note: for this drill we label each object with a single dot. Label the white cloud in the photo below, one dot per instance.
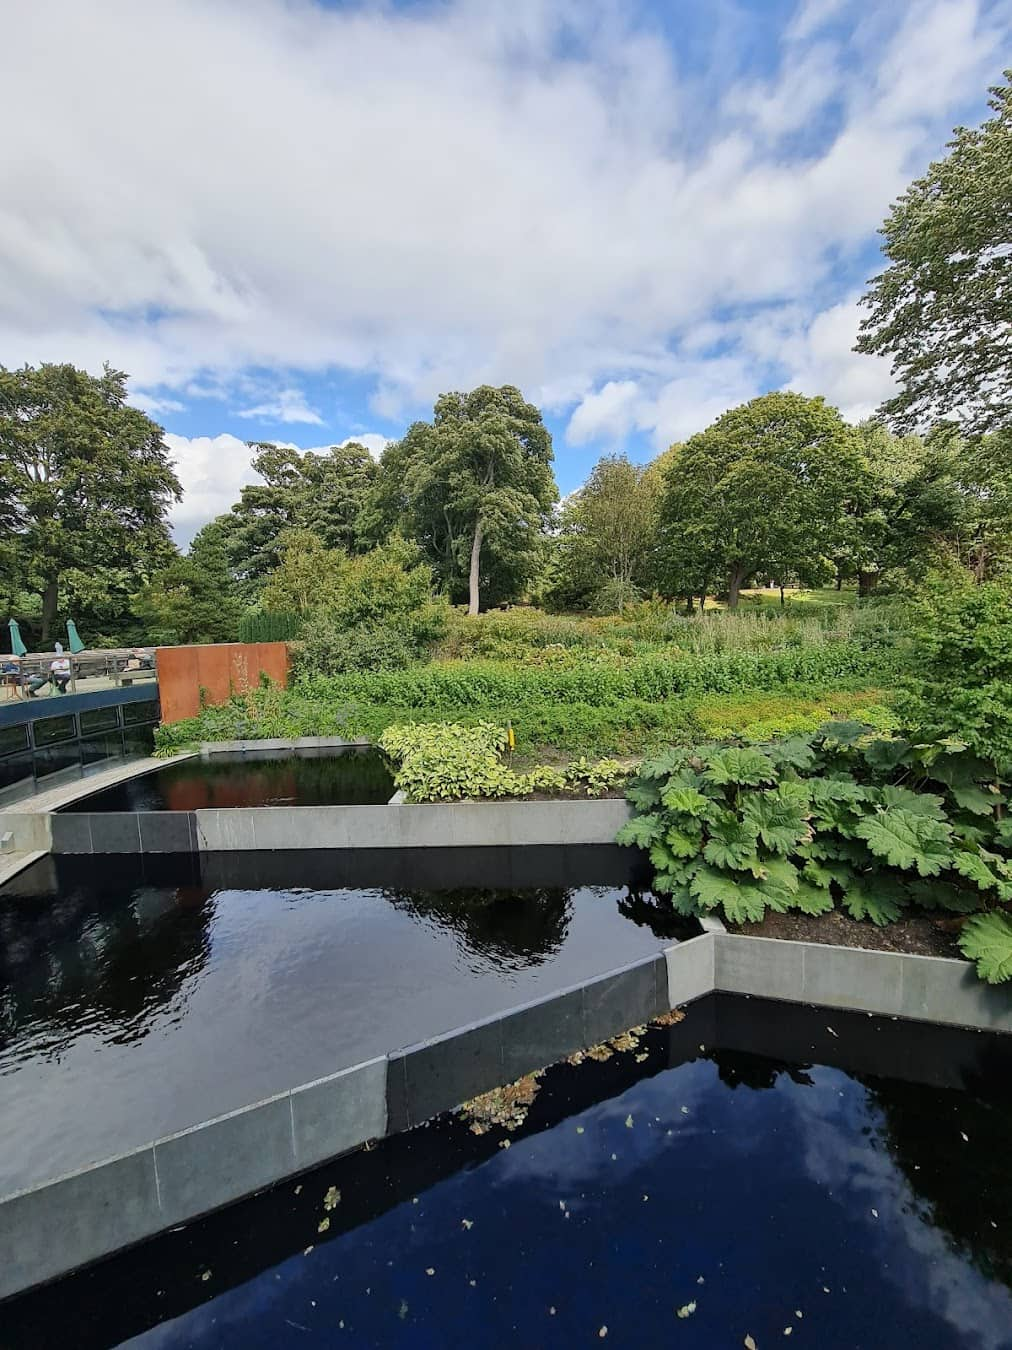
(436, 196)
(372, 440)
(212, 470)
(289, 405)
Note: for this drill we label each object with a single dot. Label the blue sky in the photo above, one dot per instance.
(300, 222)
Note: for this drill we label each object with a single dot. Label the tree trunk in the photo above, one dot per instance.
(866, 583)
(839, 580)
(734, 584)
(50, 600)
(472, 605)
(782, 601)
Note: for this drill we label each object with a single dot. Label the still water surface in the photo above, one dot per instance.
(787, 1175)
(139, 996)
(352, 777)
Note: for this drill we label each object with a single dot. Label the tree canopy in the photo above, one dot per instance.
(942, 309)
(761, 490)
(474, 488)
(85, 481)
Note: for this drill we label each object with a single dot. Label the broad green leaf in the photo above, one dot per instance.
(779, 822)
(796, 751)
(812, 899)
(822, 790)
(780, 884)
(665, 764)
(987, 939)
(907, 840)
(976, 799)
(866, 901)
(886, 753)
(921, 803)
(742, 902)
(688, 801)
(641, 831)
(683, 843)
(961, 769)
(1003, 832)
(746, 767)
(731, 841)
(843, 732)
(823, 874)
(644, 796)
(935, 894)
(986, 870)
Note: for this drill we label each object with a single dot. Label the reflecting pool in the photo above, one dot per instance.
(755, 1174)
(141, 995)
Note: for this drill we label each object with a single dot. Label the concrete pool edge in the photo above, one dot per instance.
(70, 1221)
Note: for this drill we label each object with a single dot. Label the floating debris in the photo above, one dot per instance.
(298, 1188)
(749, 1343)
(599, 1053)
(323, 1225)
(205, 1275)
(669, 1019)
(579, 1129)
(686, 1310)
(641, 1058)
(430, 1270)
(624, 1043)
(506, 1107)
(628, 1122)
(603, 1332)
(468, 1223)
(332, 1199)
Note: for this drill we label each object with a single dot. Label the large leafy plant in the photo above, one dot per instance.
(845, 816)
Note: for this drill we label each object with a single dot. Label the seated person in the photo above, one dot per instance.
(59, 676)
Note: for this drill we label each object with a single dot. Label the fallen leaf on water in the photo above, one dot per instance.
(686, 1310)
(206, 1275)
(749, 1343)
(628, 1122)
(468, 1223)
(832, 1032)
(875, 1213)
(430, 1270)
(504, 1143)
(641, 1058)
(402, 1311)
(307, 1251)
(603, 1332)
(323, 1225)
(788, 1330)
(579, 1129)
(332, 1198)
(298, 1188)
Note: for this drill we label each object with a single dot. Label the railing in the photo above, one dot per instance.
(33, 676)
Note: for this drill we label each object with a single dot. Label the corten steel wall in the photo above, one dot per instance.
(220, 670)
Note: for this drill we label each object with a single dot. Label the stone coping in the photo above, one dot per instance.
(72, 1220)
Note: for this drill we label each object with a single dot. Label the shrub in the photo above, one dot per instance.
(329, 649)
(876, 823)
(262, 625)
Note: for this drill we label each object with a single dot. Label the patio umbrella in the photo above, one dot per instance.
(74, 637)
(17, 645)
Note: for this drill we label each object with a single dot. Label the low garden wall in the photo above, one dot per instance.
(71, 1220)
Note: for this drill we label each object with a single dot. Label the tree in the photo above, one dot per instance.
(85, 481)
(608, 533)
(323, 493)
(474, 488)
(189, 601)
(307, 577)
(761, 490)
(943, 308)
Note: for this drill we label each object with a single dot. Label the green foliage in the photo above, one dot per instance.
(447, 762)
(987, 939)
(85, 483)
(844, 816)
(761, 490)
(960, 665)
(330, 649)
(942, 308)
(265, 625)
(187, 603)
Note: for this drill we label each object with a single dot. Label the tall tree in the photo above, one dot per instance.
(761, 490)
(943, 308)
(474, 488)
(608, 533)
(320, 492)
(85, 481)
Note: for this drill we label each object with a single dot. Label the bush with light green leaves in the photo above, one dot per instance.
(440, 761)
(873, 823)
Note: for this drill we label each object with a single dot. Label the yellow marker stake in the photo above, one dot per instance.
(511, 740)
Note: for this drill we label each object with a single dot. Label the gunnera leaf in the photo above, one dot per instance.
(731, 841)
(843, 732)
(780, 823)
(987, 939)
(796, 752)
(742, 901)
(687, 801)
(986, 870)
(683, 843)
(745, 767)
(886, 753)
(921, 803)
(934, 894)
(641, 831)
(906, 840)
(665, 764)
(977, 800)
(869, 899)
(644, 796)
(812, 899)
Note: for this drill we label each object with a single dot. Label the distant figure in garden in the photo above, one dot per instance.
(58, 676)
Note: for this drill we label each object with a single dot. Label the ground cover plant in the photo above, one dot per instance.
(845, 817)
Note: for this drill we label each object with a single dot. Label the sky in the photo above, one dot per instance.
(299, 221)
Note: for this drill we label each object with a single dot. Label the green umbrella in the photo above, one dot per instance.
(74, 637)
(17, 645)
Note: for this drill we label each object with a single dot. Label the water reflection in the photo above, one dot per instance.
(766, 1192)
(127, 984)
(355, 776)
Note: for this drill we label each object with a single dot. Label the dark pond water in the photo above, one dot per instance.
(352, 777)
(140, 995)
(782, 1174)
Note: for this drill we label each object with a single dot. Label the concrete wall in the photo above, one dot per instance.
(219, 669)
(69, 1221)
